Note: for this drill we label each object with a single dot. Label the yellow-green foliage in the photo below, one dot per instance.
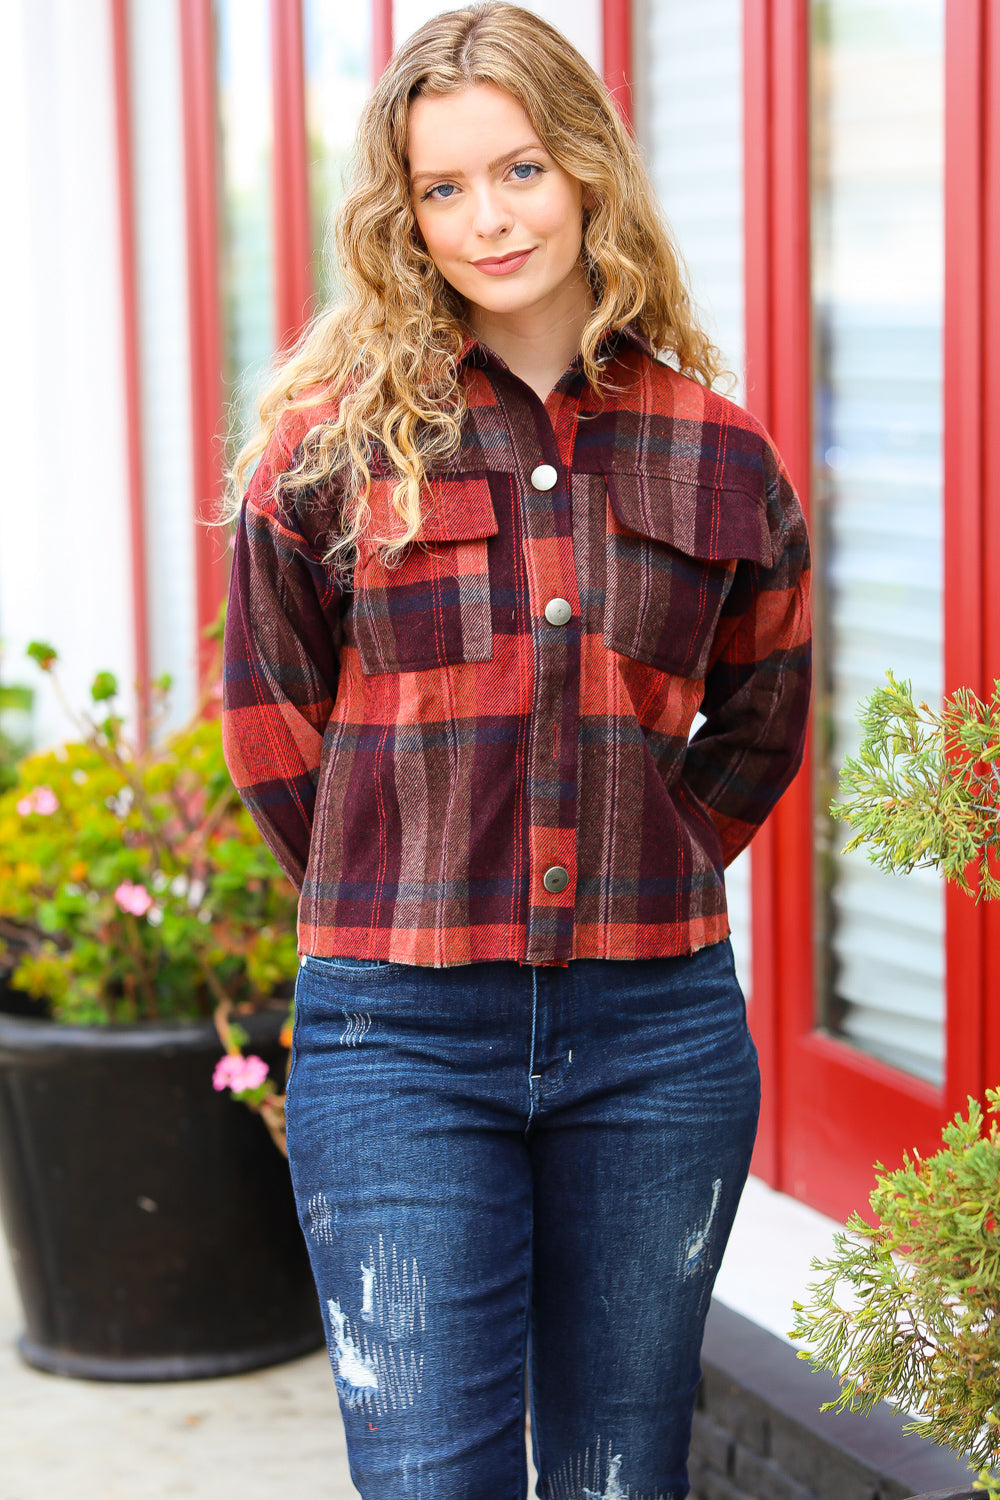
(134, 884)
(924, 787)
(907, 1310)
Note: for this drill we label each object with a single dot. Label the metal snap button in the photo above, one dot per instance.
(558, 611)
(544, 477)
(555, 879)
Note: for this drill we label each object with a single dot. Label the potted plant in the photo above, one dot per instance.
(151, 1225)
(908, 1307)
(15, 701)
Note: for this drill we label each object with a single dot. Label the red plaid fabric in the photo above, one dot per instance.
(420, 751)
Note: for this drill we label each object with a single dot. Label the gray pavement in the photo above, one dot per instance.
(274, 1433)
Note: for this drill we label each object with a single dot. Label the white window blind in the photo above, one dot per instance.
(878, 289)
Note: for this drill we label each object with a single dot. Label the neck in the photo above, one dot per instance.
(537, 344)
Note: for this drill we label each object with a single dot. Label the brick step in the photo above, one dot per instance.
(759, 1434)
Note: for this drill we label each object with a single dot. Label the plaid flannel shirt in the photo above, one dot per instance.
(485, 752)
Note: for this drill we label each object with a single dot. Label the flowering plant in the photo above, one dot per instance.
(248, 1077)
(133, 883)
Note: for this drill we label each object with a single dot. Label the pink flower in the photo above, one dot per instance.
(133, 898)
(239, 1073)
(41, 799)
(222, 1076)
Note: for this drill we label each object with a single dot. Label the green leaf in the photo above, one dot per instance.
(103, 687)
(14, 697)
(44, 655)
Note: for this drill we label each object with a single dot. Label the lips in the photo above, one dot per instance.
(502, 265)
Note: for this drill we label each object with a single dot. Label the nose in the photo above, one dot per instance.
(492, 217)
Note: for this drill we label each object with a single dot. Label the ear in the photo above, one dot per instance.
(589, 199)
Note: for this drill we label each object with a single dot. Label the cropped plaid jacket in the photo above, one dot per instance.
(486, 751)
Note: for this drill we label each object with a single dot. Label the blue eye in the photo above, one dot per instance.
(524, 170)
(441, 190)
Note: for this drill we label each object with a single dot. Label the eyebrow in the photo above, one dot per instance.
(532, 145)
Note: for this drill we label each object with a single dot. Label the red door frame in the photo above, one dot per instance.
(830, 1111)
(778, 370)
(778, 380)
(964, 454)
(990, 409)
(972, 427)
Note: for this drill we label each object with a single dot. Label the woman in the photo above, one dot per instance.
(494, 558)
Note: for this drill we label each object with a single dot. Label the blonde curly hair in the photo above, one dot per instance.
(387, 353)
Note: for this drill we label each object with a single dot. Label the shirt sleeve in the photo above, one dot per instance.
(756, 699)
(280, 665)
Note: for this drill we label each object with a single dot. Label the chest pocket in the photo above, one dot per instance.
(673, 547)
(432, 608)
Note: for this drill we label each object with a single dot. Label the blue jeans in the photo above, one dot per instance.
(492, 1154)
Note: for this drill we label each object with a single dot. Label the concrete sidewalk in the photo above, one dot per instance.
(249, 1437)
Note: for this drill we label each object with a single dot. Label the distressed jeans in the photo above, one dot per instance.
(499, 1166)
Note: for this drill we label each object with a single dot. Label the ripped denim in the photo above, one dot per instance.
(500, 1166)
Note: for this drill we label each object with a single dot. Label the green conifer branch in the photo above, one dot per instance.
(919, 1327)
(923, 790)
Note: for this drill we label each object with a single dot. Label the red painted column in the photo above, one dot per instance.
(381, 36)
(293, 282)
(130, 332)
(616, 33)
(207, 361)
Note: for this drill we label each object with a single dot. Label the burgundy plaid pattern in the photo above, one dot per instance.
(419, 751)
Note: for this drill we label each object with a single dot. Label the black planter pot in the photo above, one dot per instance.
(150, 1220)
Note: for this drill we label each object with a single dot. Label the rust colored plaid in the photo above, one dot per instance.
(419, 751)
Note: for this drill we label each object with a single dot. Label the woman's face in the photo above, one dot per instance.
(500, 219)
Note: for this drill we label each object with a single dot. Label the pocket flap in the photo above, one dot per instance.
(462, 510)
(715, 524)
(457, 509)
